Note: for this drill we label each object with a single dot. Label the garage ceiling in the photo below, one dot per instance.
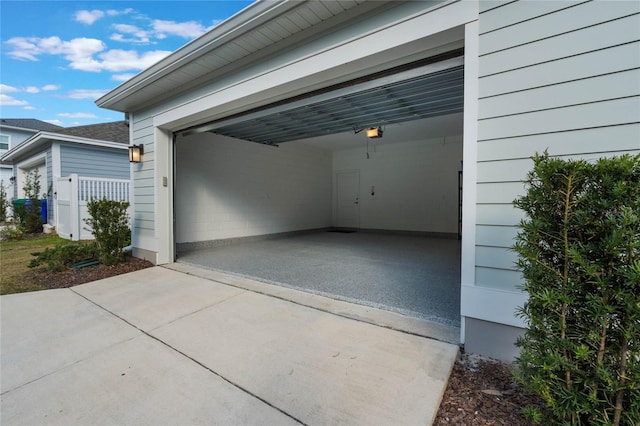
(428, 91)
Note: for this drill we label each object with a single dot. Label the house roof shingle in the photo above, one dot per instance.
(30, 123)
(116, 131)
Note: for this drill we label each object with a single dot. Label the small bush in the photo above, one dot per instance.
(579, 252)
(28, 214)
(110, 223)
(64, 256)
(11, 232)
(4, 202)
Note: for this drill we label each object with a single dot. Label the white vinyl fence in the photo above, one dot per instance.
(72, 194)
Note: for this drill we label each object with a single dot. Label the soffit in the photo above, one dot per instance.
(248, 33)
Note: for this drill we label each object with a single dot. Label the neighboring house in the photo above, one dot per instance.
(95, 151)
(14, 131)
(493, 81)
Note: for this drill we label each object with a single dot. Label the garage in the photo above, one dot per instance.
(319, 146)
(257, 129)
(298, 193)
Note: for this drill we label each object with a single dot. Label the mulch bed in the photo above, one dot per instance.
(71, 277)
(482, 391)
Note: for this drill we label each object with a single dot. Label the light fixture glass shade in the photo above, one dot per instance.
(374, 132)
(135, 153)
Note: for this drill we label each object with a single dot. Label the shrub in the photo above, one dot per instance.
(64, 256)
(110, 223)
(28, 213)
(579, 253)
(11, 232)
(4, 202)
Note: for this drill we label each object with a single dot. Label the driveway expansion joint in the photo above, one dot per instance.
(193, 359)
(200, 309)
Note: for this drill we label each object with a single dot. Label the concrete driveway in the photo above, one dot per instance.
(162, 347)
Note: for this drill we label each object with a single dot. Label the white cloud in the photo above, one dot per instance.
(77, 115)
(78, 51)
(190, 29)
(30, 108)
(56, 122)
(86, 94)
(8, 89)
(122, 77)
(6, 100)
(124, 60)
(113, 12)
(23, 48)
(88, 16)
(160, 30)
(139, 35)
(30, 89)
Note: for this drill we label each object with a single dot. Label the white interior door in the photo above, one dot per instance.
(347, 199)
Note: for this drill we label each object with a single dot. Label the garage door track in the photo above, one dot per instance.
(159, 346)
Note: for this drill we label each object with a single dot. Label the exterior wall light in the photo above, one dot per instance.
(135, 153)
(374, 132)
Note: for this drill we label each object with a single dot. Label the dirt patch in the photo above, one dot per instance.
(72, 277)
(482, 391)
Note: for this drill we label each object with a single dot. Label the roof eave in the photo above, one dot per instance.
(42, 138)
(22, 129)
(254, 15)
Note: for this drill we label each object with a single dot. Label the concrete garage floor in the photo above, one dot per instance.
(412, 275)
(161, 347)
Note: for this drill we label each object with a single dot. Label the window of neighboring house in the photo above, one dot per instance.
(4, 142)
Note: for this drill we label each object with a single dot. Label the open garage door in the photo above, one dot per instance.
(274, 172)
(423, 89)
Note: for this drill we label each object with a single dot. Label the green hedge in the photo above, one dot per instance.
(579, 253)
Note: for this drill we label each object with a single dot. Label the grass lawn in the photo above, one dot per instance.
(14, 258)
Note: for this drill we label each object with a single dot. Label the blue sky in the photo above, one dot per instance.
(57, 57)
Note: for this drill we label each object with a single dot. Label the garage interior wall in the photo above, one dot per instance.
(229, 188)
(407, 186)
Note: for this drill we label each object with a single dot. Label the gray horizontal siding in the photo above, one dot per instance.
(495, 236)
(144, 179)
(495, 257)
(601, 62)
(556, 76)
(602, 140)
(94, 162)
(593, 89)
(511, 12)
(502, 279)
(16, 136)
(492, 4)
(603, 36)
(591, 115)
(567, 18)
